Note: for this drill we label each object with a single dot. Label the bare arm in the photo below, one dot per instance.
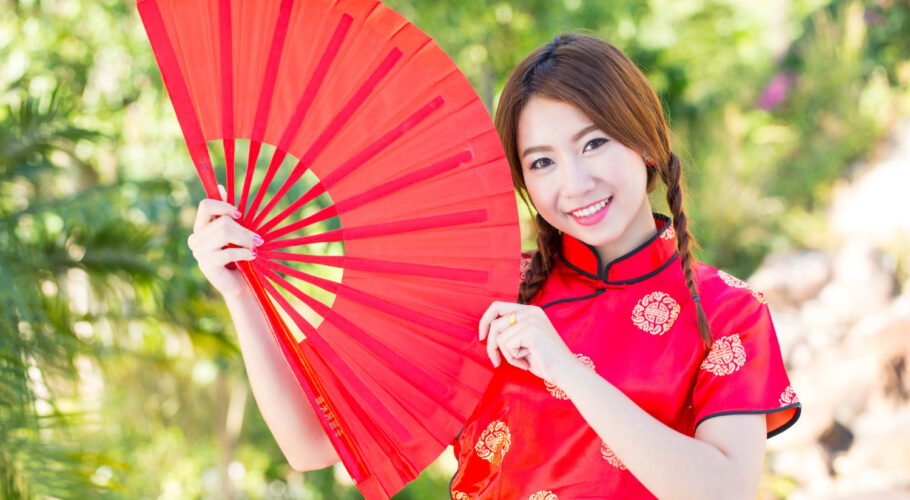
(284, 407)
(288, 414)
(723, 460)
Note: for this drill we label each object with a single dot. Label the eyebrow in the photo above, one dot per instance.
(578, 135)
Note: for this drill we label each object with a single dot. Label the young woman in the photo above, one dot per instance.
(626, 369)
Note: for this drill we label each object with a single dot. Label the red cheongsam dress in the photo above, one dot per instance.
(633, 321)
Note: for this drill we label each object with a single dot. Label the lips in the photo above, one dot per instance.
(590, 209)
(593, 213)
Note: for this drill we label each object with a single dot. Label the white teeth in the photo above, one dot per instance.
(593, 209)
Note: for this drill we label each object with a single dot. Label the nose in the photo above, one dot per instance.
(576, 179)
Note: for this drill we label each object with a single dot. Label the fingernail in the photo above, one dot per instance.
(258, 239)
(237, 214)
(253, 251)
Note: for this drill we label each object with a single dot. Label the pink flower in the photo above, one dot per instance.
(777, 90)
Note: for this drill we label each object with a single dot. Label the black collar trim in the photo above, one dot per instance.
(605, 270)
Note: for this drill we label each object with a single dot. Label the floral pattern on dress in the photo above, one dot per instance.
(738, 283)
(668, 233)
(611, 457)
(494, 442)
(459, 495)
(788, 397)
(556, 391)
(655, 313)
(727, 355)
(732, 281)
(543, 495)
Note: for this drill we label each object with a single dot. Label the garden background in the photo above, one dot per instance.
(120, 376)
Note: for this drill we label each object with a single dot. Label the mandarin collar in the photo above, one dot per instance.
(648, 259)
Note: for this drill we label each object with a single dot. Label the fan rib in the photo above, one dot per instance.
(384, 229)
(332, 357)
(371, 301)
(380, 352)
(327, 285)
(301, 364)
(335, 126)
(395, 361)
(303, 106)
(227, 93)
(375, 193)
(265, 96)
(179, 94)
(417, 377)
(383, 266)
(356, 161)
(326, 213)
(418, 318)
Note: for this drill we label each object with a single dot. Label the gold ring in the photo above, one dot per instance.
(512, 319)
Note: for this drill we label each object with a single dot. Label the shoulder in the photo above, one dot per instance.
(723, 294)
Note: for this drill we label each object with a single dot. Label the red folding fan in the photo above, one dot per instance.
(379, 184)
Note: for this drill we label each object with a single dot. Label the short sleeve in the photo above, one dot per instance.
(743, 373)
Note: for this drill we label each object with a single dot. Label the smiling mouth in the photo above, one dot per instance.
(591, 209)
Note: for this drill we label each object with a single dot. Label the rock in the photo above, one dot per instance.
(791, 279)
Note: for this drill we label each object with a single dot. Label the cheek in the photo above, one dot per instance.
(635, 181)
(542, 194)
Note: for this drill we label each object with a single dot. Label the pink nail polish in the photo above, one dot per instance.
(258, 239)
(237, 214)
(253, 251)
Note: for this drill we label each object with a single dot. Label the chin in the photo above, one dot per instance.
(596, 237)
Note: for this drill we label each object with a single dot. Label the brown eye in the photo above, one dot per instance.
(595, 143)
(543, 162)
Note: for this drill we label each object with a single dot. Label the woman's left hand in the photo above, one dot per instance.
(526, 339)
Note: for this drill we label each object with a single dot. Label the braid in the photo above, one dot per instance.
(672, 177)
(548, 239)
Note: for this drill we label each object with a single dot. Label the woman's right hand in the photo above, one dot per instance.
(214, 229)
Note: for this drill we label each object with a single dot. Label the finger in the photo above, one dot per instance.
(495, 310)
(223, 232)
(217, 260)
(513, 341)
(493, 346)
(222, 192)
(510, 346)
(209, 208)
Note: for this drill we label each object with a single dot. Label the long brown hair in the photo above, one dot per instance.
(600, 80)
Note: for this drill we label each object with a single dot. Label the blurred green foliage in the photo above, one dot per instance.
(119, 376)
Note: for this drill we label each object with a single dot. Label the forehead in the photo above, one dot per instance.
(544, 121)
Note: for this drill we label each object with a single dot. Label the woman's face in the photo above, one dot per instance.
(580, 180)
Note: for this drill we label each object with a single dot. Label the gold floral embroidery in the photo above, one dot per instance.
(458, 495)
(655, 313)
(731, 281)
(543, 495)
(668, 234)
(726, 356)
(556, 391)
(788, 397)
(611, 457)
(738, 283)
(494, 442)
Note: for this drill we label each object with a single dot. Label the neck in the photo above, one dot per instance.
(640, 229)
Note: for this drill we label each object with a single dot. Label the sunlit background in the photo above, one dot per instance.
(120, 376)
